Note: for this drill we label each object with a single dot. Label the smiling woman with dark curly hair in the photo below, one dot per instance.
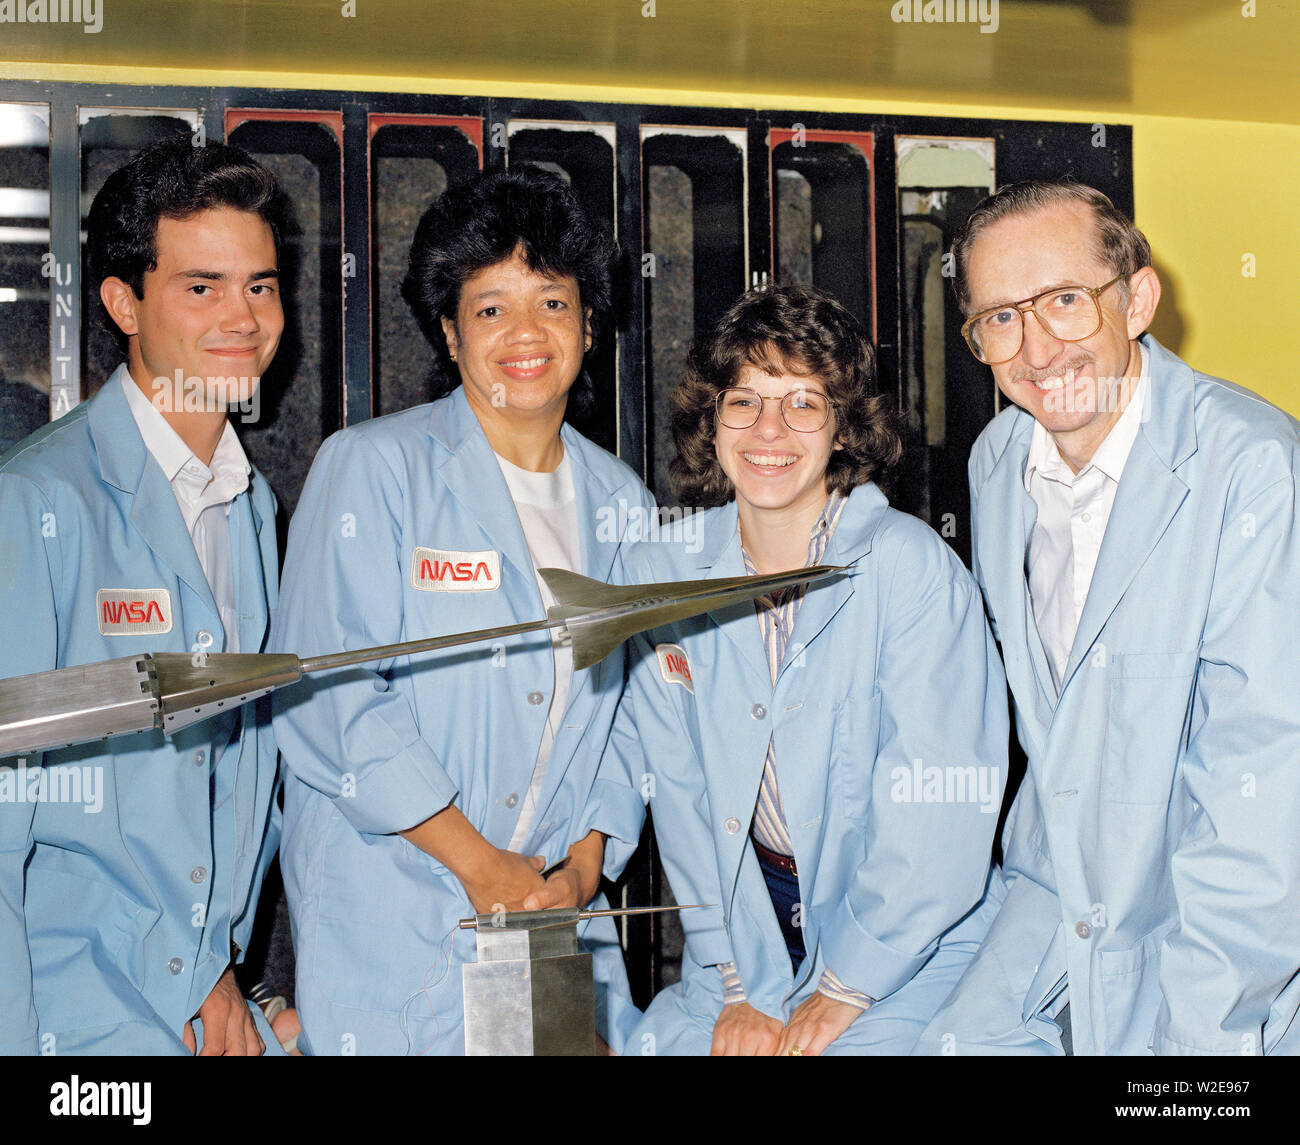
(790, 330)
(436, 786)
(790, 764)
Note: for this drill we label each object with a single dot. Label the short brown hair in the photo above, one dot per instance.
(784, 330)
(1118, 243)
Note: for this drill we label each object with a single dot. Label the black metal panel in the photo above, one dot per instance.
(630, 293)
(702, 221)
(887, 262)
(106, 142)
(411, 165)
(838, 177)
(586, 161)
(357, 266)
(302, 393)
(761, 205)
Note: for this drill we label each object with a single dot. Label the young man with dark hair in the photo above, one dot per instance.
(135, 524)
(1135, 537)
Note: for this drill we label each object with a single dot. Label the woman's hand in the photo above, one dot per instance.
(575, 880)
(741, 1031)
(816, 1023)
(491, 877)
(503, 881)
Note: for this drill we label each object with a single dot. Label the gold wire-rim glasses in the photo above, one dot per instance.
(1031, 304)
(783, 399)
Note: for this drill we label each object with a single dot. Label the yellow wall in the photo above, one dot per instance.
(1207, 193)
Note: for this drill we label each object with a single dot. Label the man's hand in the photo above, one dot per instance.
(742, 1031)
(504, 880)
(228, 1027)
(816, 1023)
(575, 881)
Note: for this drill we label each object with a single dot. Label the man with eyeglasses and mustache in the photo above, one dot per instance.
(1135, 537)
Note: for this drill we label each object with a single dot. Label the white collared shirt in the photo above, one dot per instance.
(1073, 511)
(203, 493)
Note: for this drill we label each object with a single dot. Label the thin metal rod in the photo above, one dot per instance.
(385, 651)
(586, 914)
(583, 915)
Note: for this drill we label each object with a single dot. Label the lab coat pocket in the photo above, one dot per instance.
(853, 754)
(1149, 706)
(82, 963)
(1130, 987)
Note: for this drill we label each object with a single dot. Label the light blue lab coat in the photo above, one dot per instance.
(888, 712)
(127, 915)
(376, 749)
(1152, 871)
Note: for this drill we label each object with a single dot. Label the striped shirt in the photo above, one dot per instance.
(776, 617)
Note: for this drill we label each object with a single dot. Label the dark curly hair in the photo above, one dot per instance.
(171, 179)
(784, 330)
(485, 221)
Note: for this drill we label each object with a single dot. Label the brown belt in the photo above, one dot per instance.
(773, 859)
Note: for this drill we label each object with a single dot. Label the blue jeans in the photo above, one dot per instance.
(784, 889)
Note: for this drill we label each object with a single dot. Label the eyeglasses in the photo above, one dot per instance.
(1068, 314)
(804, 411)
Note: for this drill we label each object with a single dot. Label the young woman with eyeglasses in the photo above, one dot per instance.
(824, 769)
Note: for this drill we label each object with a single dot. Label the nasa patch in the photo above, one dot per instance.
(444, 570)
(673, 666)
(133, 611)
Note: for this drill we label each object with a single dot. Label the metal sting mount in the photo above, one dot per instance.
(167, 690)
(532, 991)
(172, 690)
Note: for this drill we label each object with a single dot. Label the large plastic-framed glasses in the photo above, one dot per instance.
(1067, 313)
(804, 411)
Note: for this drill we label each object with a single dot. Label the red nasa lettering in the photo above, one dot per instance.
(460, 571)
(446, 570)
(674, 667)
(132, 612)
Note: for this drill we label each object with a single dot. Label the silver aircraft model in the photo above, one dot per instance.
(172, 690)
